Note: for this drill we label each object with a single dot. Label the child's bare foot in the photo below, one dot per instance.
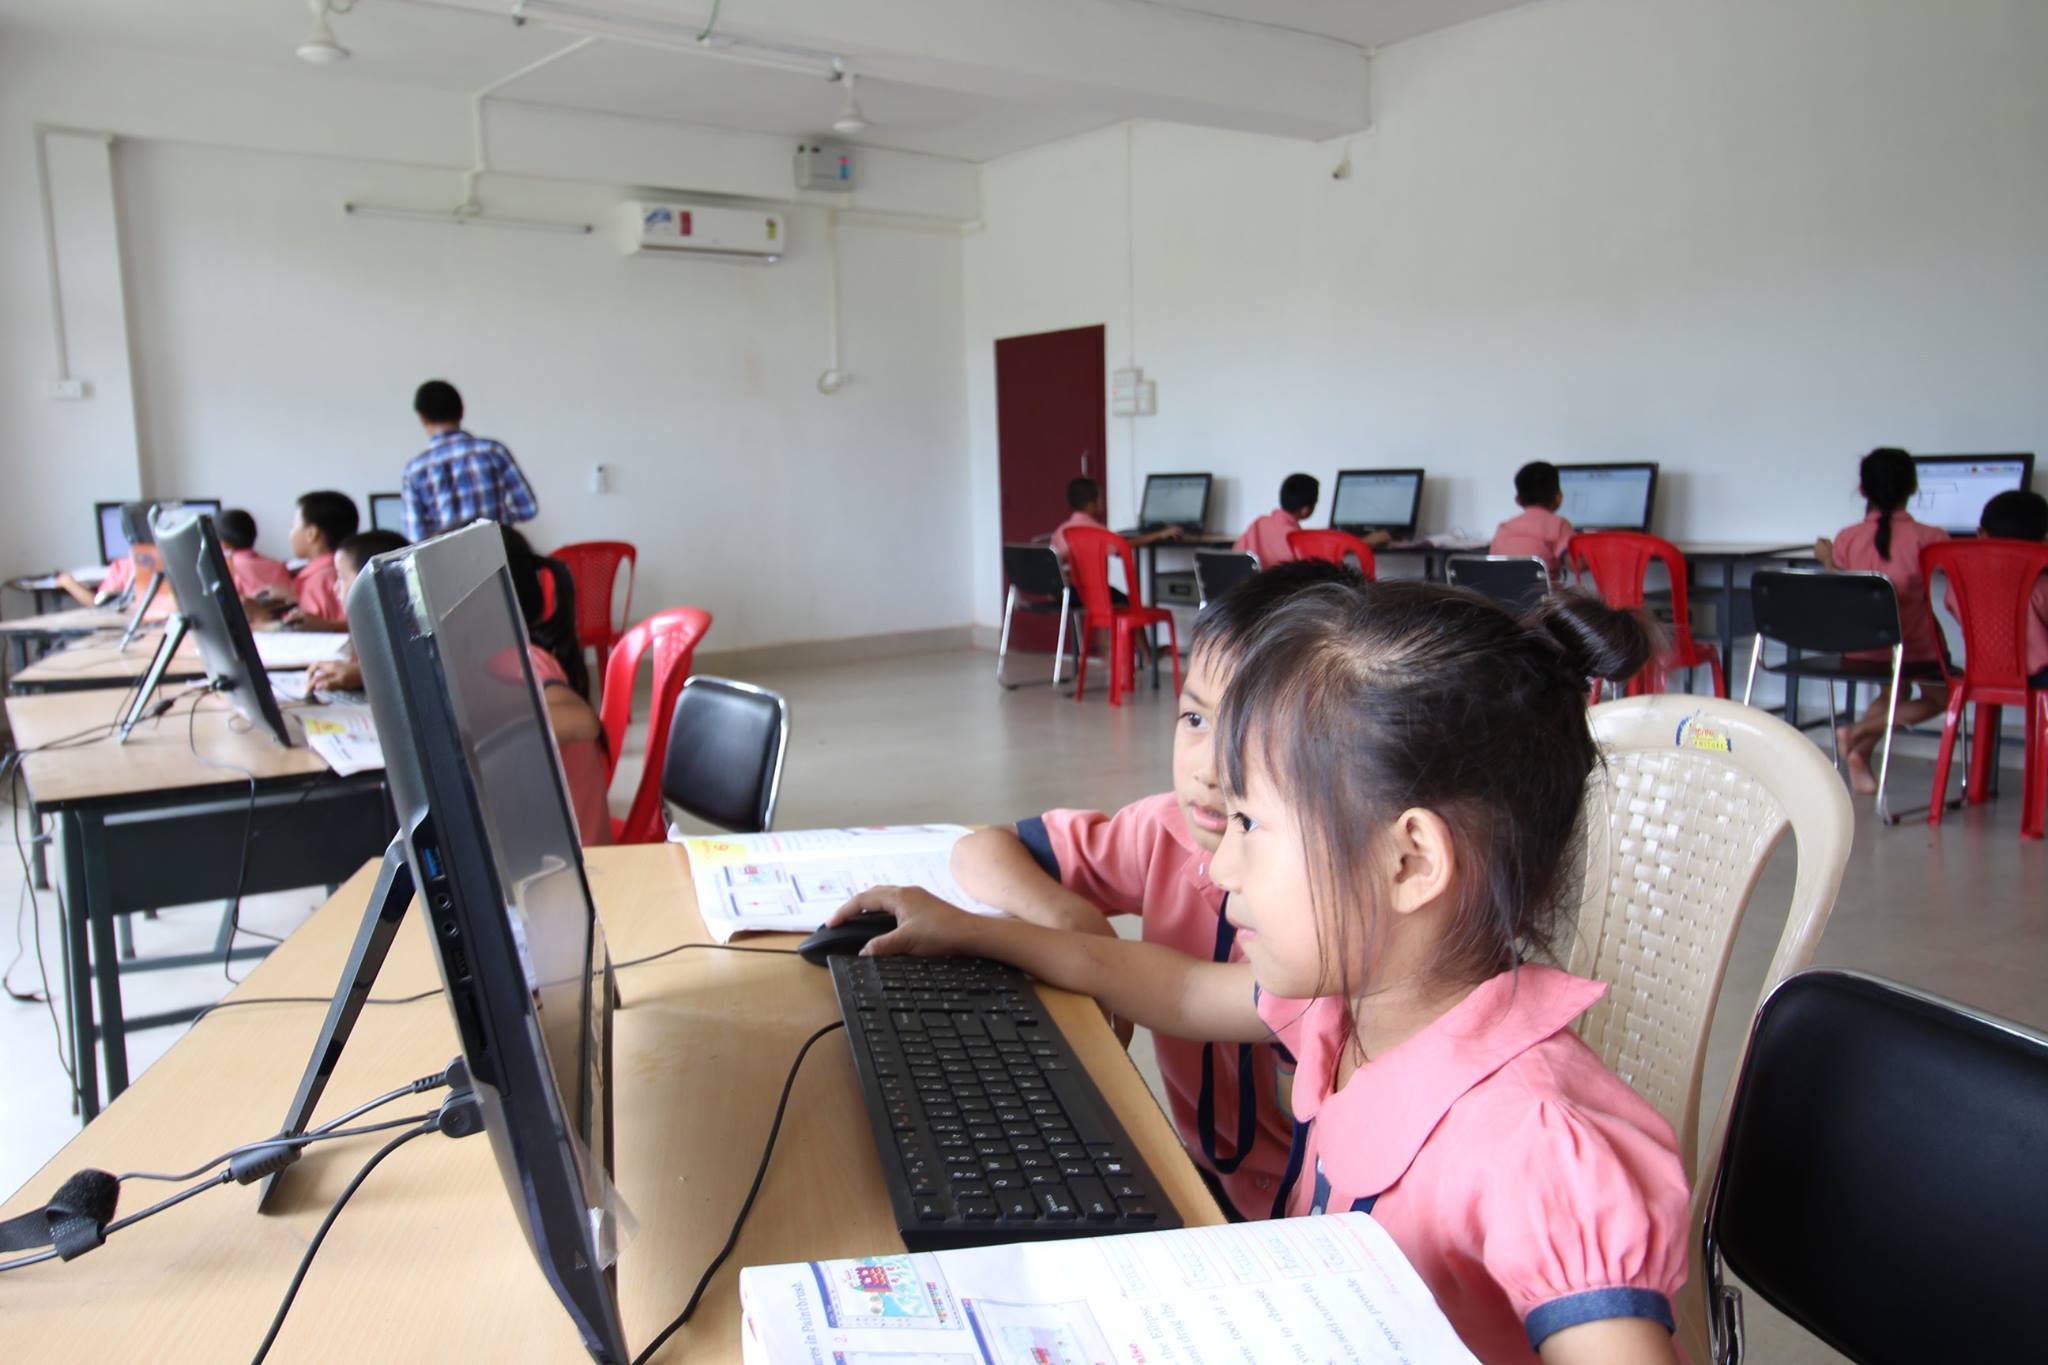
(1862, 781)
(1845, 741)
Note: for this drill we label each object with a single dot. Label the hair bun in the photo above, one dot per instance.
(1593, 639)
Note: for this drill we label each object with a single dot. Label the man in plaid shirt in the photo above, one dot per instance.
(458, 477)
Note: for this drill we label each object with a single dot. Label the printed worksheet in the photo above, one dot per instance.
(298, 648)
(1334, 1288)
(344, 736)
(789, 881)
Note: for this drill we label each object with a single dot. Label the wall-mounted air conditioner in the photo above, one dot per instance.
(729, 234)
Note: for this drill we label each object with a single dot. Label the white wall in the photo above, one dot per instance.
(276, 342)
(1747, 240)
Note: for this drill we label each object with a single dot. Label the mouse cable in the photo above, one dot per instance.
(747, 1205)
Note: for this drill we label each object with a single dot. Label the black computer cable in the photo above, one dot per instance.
(747, 1205)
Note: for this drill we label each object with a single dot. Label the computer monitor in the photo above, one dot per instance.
(1608, 497)
(1377, 500)
(209, 607)
(1954, 488)
(490, 838)
(387, 512)
(115, 531)
(1175, 500)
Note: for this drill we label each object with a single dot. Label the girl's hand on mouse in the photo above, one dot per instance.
(925, 925)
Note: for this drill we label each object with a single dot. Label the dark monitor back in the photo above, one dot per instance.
(212, 608)
(490, 834)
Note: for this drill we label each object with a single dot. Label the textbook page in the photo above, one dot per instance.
(288, 649)
(345, 737)
(1332, 1288)
(789, 881)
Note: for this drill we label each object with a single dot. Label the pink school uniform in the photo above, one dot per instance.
(319, 588)
(1533, 531)
(255, 574)
(582, 763)
(120, 577)
(1267, 538)
(1222, 1096)
(1059, 536)
(1856, 551)
(1530, 1187)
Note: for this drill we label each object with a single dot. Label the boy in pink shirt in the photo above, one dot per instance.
(1071, 868)
(1084, 497)
(1266, 538)
(2020, 514)
(324, 520)
(1537, 530)
(256, 576)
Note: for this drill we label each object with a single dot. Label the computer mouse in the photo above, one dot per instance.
(833, 940)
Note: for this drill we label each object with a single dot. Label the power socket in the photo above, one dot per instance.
(67, 390)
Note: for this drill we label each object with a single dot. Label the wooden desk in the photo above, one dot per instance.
(427, 1263)
(20, 635)
(100, 662)
(167, 819)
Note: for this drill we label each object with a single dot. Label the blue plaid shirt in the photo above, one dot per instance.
(458, 478)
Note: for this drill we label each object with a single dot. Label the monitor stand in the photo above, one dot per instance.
(142, 605)
(175, 628)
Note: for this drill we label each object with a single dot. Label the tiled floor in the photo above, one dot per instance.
(1962, 911)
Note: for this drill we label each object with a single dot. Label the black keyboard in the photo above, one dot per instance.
(988, 1128)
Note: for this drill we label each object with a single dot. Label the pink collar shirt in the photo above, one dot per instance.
(1267, 538)
(1856, 550)
(319, 589)
(1059, 535)
(1534, 531)
(1530, 1187)
(1223, 1096)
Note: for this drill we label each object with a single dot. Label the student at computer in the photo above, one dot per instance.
(1396, 889)
(1072, 869)
(2020, 514)
(120, 577)
(1888, 541)
(1537, 529)
(324, 520)
(458, 477)
(256, 576)
(1084, 497)
(1266, 538)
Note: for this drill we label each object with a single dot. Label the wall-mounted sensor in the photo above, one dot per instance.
(600, 478)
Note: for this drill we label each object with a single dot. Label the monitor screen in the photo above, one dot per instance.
(210, 608)
(387, 512)
(1954, 488)
(491, 837)
(1376, 499)
(1607, 497)
(113, 531)
(1175, 500)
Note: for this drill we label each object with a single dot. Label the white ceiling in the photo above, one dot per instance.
(451, 48)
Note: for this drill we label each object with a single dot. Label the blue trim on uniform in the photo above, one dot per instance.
(1247, 1079)
(1031, 833)
(1296, 1152)
(1364, 1203)
(1597, 1305)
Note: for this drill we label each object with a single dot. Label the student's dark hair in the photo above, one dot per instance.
(1299, 490)
(556, 634)
(1360, 702)
(364, 546)
(1889, 480)
(236, 529)
(2016, 514)
(1233, 617)
(437, 401)
(1536, 483)
(1081, 492)
(332, 514)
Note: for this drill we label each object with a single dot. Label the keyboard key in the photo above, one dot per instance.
(930, 1210)
(1136, 1211)
(1094, 1201)
(1018, 1206)
(978, 1210)
(1055, 1203)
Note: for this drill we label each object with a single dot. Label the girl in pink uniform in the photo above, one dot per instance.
(1404, 768)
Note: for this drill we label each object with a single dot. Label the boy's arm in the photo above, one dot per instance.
(569, 714)
(994, 867)
(1159, 987)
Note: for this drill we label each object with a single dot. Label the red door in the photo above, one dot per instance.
(1051, 428)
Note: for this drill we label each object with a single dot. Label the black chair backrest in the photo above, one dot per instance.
(557, 634)
(1218, 571)
(1034, 569)
(726, 744)
(1885, 1178)
(1825, 613)
(1517, 582)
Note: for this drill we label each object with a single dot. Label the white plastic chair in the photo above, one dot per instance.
(1695, 794)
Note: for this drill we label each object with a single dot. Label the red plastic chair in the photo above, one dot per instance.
(1994, 587)
(672, 636)
(1619, 563)
(1089, 551)
(594, 564)
(1333, 546)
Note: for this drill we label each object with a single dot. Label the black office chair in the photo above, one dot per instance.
(1884, 1182)
(1038, 584)
(726, 745)
(1823, 615)
(1218, 571)
(1517, 582)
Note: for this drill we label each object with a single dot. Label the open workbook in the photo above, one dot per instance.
(1333, 1288)
(789, 881)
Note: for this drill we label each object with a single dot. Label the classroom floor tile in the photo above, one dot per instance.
(1962, 911)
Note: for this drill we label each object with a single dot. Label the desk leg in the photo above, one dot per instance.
(78, 967)
(1728, 618)
(106, 958)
